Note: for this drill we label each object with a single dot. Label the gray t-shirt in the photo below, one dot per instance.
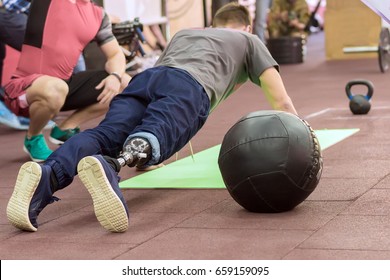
(218, 58)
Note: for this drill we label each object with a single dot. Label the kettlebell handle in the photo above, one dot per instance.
(368, 84)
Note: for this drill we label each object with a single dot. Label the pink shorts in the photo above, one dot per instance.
(15, 94)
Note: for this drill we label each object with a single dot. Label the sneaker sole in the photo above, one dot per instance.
(56, 141)
(26, 183)
(108, 207)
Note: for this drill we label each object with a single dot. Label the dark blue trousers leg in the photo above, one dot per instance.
(107, 139)
(165, 102)
(178, 109)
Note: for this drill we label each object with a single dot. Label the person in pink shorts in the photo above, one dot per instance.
(44, 84)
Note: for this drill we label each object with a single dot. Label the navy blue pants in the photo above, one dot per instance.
(165, 105)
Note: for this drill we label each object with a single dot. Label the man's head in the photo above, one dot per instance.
(233, 15)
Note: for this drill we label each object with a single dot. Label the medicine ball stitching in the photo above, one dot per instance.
(258, 175)
(288, 151)
(307, 126)
(260, 196)
(240, 144)
(249, 179)
(316, 154)
(244, 119)
(316, 163)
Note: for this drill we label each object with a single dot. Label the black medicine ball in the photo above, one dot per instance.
(270, 161)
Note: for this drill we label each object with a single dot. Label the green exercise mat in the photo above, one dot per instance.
(202, 170)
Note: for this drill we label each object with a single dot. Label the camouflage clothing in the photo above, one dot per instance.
(282, 13)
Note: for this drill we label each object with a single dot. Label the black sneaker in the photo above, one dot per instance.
(31, 194)
(102, 182)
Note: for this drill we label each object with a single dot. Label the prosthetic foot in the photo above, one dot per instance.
(137, 151)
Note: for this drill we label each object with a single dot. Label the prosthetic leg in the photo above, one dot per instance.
(137, 151)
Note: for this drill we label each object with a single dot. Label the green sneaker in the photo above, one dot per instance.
(37, 148)
(58, 136)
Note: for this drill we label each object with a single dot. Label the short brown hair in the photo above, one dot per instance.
(232, 13)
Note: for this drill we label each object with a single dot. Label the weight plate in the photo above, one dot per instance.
(384, 50)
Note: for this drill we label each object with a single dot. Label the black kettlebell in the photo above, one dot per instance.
(359, 104)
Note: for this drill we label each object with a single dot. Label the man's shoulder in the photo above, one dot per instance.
(221, 33)
(189, 30)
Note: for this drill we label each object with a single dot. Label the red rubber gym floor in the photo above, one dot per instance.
(346, 217)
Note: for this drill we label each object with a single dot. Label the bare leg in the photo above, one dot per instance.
(83, 115)
(45, 96)
(91, 112)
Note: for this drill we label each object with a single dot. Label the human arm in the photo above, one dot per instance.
(275, 92)
(115, 66)
(115, 61)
